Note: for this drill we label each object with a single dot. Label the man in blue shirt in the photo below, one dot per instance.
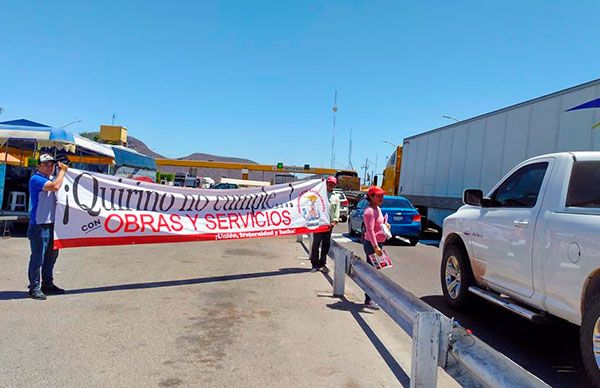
(42, 189)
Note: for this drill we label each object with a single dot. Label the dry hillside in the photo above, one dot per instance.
(215, 174)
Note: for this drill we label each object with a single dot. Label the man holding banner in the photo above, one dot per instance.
(323, 239)
(42, 188)
(94, 209)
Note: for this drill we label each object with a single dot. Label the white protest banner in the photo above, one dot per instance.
(96, 209)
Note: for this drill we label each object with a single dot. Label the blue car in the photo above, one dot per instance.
(404, 219)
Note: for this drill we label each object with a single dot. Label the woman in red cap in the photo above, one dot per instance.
(374, 237)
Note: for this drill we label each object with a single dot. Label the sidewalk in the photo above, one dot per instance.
(235, 313)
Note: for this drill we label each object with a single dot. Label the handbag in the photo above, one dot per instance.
(384, 228)
(381, 262)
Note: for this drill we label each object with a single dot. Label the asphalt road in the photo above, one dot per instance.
(549, 350)
(244, 313)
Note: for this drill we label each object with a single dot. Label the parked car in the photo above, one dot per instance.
(532, 246)
(404, 219)
(353, 198)
(343, 206)
(225, 186)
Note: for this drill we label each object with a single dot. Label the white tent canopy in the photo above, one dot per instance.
(93, 146)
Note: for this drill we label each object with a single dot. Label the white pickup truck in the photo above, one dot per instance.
(532, 246)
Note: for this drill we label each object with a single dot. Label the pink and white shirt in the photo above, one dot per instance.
(373, 218)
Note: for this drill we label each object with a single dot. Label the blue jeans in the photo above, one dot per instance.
(43, 256)
(369, 250)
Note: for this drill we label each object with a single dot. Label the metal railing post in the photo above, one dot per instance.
(446, 326)
(425, 349)
(339, 274)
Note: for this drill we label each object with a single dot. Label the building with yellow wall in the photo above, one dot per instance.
(113, 134)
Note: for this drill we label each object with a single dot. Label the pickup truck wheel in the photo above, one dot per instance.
(589, 340)
(456, 277)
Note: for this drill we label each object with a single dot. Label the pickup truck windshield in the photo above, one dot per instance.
(584, 185)
(522, 188)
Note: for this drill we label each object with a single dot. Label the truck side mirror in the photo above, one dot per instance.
(472, 197)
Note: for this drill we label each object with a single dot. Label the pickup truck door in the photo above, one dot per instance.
(502, 236)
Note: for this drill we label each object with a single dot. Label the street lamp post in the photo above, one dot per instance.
(72, 122)
(450, 118)
(390, 143)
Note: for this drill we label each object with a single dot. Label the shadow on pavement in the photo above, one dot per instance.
(305, 247)
(356, 239)
(431, 243)
(328, 278)
(355, 309)
(399, 241)
(533, 346)
(10, 295)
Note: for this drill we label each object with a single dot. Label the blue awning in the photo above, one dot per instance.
(26, 129)
(25, 123)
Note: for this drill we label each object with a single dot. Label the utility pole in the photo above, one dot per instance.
(365, 167)
(113, 118)
(350, 166)
(335, 109)
(374, 172)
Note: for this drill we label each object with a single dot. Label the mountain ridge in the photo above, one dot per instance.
(214, 173)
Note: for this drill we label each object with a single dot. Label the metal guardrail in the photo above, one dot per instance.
(437, 339)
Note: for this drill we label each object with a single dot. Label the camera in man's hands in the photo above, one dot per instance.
(63, 159)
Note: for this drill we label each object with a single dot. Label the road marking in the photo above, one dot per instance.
(341, 238)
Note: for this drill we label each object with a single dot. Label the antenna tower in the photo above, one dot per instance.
(335, 109)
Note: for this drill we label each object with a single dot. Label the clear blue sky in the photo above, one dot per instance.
(256, 79)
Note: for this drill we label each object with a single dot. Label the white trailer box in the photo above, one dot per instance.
(475, 153)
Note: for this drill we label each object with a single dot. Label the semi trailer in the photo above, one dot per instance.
(438, 165)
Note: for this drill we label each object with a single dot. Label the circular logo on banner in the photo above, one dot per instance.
(311, 206)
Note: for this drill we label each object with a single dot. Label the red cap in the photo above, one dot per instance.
(375, 190)
(331, 179)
